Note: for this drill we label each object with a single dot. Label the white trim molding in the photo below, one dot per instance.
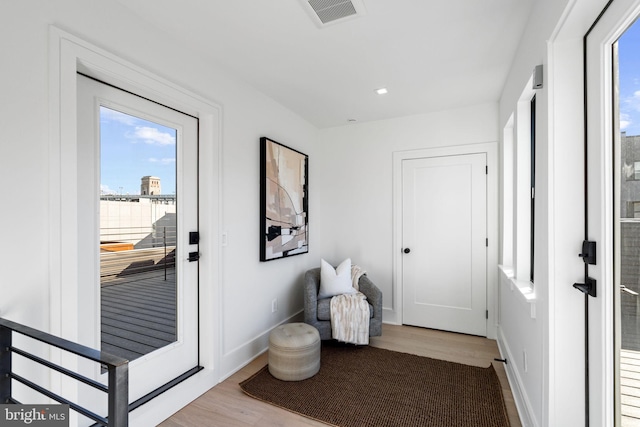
(520, 397)
(68, 56)
(394, 315)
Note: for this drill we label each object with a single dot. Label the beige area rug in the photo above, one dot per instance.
(368, 386)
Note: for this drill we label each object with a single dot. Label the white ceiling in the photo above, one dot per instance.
(431, 55)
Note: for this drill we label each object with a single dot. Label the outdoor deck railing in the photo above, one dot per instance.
(141, 237)
(131, 250)
(117, 389)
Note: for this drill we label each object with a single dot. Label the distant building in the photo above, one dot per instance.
(150, 186)
(630, 179)
(629, 239)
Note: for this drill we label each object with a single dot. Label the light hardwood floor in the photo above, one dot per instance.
(226, 405)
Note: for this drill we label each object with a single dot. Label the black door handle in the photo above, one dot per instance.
(406, 250)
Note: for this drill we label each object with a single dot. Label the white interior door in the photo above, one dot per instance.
(143, 305)
(444, 232)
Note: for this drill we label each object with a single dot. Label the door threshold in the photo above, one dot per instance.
(157, 392)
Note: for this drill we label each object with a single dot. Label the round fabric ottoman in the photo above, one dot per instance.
(294, 352)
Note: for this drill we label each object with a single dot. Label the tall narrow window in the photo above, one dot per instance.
(533, 185)
(508, 186)
(522, 167)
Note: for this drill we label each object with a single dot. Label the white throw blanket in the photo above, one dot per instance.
(356, 272)
(350, 314)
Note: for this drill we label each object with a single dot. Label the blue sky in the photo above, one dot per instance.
(629, 66)
(131, 148)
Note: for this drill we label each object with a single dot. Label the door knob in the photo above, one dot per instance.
(406, 250)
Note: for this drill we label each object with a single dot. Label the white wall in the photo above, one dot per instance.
(518, 332)
(523, 332)
(248, 286)
(23, 170)
(554, 393)
(355, 215)
(143, 222)
(350, 183)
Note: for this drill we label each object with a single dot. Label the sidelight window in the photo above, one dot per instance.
(519, 189)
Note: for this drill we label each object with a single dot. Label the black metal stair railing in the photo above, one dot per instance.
(118, 373)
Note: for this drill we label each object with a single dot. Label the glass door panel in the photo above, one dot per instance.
(137, 234)
(627, 146)
(138, 192)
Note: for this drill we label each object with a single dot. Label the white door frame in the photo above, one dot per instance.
(491, 150)
(618, 17)
(68, 56)
(166, 363)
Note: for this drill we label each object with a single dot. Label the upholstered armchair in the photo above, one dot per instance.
(318, 312)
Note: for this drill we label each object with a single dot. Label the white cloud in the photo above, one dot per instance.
(109, 115)
(104, 189)
(153, 136)
(625, 121)
(164, 161)
(631, 103)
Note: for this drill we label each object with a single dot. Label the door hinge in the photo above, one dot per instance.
(486, 170)
(487, 314)
(487, 242)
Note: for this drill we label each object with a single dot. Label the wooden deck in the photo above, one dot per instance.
(123, 263)
(630, 388)
(138, 313)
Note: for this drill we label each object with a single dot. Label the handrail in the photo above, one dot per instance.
(118, 373)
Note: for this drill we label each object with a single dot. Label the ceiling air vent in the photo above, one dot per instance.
(330, 11)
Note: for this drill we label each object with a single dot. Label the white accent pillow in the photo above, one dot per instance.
(335, 281)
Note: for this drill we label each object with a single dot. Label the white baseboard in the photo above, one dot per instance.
(390, 316)
(171, 401)
(523, 405)
(244, 354)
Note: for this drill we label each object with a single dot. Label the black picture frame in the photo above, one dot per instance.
(284, 201)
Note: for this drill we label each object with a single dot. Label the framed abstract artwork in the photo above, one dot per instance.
(284, 201)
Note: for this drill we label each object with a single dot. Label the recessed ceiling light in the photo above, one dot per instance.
(382, 91)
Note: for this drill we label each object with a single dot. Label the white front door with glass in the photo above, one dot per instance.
(613, 189)
(137, 193)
